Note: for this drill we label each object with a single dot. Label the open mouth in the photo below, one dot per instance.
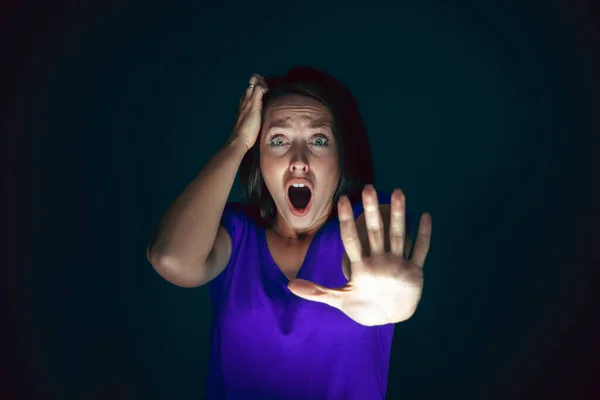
(299, 198)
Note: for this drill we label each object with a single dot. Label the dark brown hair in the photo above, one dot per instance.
(349, 132)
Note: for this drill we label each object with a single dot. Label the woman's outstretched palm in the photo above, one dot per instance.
(384, 287)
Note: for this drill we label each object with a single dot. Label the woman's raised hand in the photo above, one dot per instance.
(385, 286)
(248, 119)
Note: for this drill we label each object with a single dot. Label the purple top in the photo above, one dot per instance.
(267, 343)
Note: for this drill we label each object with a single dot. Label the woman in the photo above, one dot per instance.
(305, 286)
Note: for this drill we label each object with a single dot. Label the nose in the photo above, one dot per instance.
(299, 163)
(299, 166)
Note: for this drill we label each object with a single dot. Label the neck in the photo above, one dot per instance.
(290, 234)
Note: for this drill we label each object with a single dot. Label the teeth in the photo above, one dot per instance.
(298, 184)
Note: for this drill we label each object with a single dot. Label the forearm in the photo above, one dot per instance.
(185, 235)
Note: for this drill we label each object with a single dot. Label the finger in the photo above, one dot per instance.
(397, 225)
(348, 230)
(252, 98)
(255, 79)
(311, 291)
(373, 220)
(259, 91)
(423, 241)
(248, 92)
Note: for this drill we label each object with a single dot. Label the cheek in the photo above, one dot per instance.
(333, 165)
(324, 170)
(271, 171)
(266, 165)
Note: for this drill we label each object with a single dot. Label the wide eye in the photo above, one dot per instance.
(278, 141)
(321, 141)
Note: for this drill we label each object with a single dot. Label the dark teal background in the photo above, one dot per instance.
(484, 113)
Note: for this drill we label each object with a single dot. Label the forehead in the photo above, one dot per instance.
(294, 109)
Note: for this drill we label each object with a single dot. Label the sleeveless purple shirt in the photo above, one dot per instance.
(267, 343)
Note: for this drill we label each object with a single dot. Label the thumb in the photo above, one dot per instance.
(311, 291)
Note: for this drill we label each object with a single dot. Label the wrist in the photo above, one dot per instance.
(237, 145)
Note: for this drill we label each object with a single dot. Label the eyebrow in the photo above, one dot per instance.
(321, 122)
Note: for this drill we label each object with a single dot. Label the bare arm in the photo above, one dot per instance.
(185, 235)
(189, 248)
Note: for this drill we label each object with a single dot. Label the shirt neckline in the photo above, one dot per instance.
(271, 265)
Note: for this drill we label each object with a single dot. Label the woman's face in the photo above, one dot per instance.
(297, 143)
